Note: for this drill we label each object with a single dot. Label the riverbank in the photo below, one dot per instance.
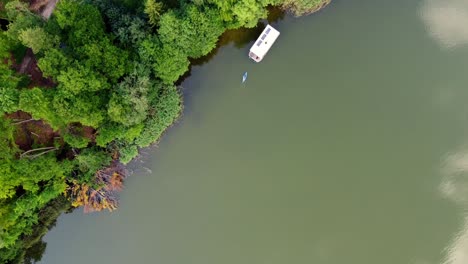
(304, 7)
(124, 102)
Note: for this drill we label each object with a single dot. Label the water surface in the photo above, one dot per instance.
(347, 144)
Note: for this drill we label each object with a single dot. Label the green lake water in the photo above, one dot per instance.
(348, 144)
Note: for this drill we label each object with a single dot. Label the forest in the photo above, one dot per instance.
(84, 88)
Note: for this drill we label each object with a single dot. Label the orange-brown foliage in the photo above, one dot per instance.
(108, 182)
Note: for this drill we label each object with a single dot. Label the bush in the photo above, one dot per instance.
(304, 7)
(167, 109)
(76, 141)
(127, 153)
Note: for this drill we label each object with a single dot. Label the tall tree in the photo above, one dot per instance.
(8, 79)
(193, 31)
(153, 10)
(129, 101)
(37, 39)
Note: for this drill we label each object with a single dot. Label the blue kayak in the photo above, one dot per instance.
(244, 77)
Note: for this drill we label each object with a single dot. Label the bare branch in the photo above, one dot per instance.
(23, 121)
(38, 149)
(42, 153)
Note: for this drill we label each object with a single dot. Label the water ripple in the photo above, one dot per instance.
(457, 252)
(454, 186)
(446, 21)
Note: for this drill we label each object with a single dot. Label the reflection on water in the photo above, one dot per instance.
(242, 36)
(238, 37)
(446, 21)
(455, 173)
(455, 187)
(457, 252)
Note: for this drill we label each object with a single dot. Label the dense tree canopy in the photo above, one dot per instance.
(9, 80)
(192, 30)
(37, 39)
(26, 185)
(128, 104)
(153, 9)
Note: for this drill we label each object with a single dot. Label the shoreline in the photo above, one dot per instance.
(290, 7)
(239, 37)
(275, 14)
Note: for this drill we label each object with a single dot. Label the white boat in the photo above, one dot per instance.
(263, 44)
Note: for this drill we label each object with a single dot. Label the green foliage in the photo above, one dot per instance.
(193, 31)
(38, 103)
(5, 47)
(76, 141)
(127, 153)
(9, 95)
(109, 132)
(37, 39)
(21, 19)
(80, 24)
(8, 148)
(105, 58)
(112, 131)
(53, 62)
(166, 110)
(153, 9)
(3, 14)
(248, 12)
(303, 7)
(89, 161)
(182, 34)
(168, 62)
(26, 186)
(84, 108)
(98, 60)
(78, 79)
(8, 79)
(129, 102)
(16, 8)
(85, 66)
(132, 31)
(29, 248)
(243, 13)
(128, 29)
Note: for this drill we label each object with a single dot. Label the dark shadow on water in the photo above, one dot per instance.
(238, 37)
(275, 14)
(242, 36)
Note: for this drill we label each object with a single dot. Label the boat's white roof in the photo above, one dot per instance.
(265, 41)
